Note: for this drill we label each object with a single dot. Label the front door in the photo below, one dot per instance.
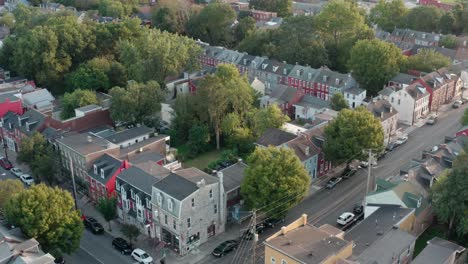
(211, 230)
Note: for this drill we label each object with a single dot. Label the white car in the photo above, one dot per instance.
(345, 218)
(27, 179)
(402, 140)
(16, 171)
(141, 256)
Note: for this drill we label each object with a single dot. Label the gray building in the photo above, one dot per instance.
(188, 209)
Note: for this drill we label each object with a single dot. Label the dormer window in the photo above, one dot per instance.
(264, 65)
(117, 185)
(95, 168)
(124, 193)
(138, 201)
(159, 199)
(148, 203)
(102, 173)
(132, 194)
(170, 205)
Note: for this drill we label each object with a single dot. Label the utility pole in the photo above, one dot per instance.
(255, 235)
(4, 142)
(73, 181)
(369, 167)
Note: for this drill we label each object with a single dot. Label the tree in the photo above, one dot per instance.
(108, 209)
(341, 32)
(274, 181)
(449, 196)
(449, 42)
(282, 7)
(117, 9)
(338, 102)
(8, 188)
(221, 93)
(131, 232)
(157, 55)
(138, 103)
(446, 23)
(427, 60)
(269, 117)
(351, 134)
(184, 117)
(48, 215)
(78, 98)
(213, 24)
(388, 15)
(171, 16)
(416, 18)
(198, 139)
(374, 62)
(245, 27)
(7, 20)
(465, 118)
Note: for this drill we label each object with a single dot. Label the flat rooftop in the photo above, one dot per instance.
(85, 143)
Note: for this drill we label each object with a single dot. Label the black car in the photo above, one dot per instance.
(273, 221)
(358, 209)
(391, 146)
(59, 260)
(382, 155)
(224, 248)
(348, 173)
(93, 225)
(259, 228)
(122, 245)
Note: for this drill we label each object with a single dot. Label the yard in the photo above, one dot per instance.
(202, 160)
(431, 232)
(451, 1)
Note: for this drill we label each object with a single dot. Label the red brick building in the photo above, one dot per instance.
(10, 103)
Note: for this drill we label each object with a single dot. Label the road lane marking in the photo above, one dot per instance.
(91, 254)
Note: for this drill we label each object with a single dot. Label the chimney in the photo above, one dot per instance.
(304, 219)
(337, 81)
(89, 139)
(284, 230)
(325, 78)
(307, 151)
(201, 183)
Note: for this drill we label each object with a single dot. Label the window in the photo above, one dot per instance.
(193, 202)
(272, 260)
(398, 101)
(140, 213)
(95, 169)
(132, 194)
(211, 194)
(148, 203)
(124, 193)
(174, 225)
(102, 173)
(392, 99)
(155, 214)
(188, 223)
(165, 219)
(215, 208)
(138, 201)
(170, 205)
(117, 185)
(159, 199)
(283, 261)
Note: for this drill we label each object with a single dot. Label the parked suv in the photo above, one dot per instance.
(93, 225)
(333, 182)
(122, 245)
(345, 218)
(272, 221)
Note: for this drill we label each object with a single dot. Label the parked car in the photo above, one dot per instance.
(273, 221)
(391, 146)
(141, 256)
(345, 218)
(122, 245)
(382, 155)
(259, 228)
(59, 260)
(402, 140)
(365, 164)
(358, 209)
(348, 173)
(224, 248)
(93, 225)
(431, 120)
(27, 179)
(6, 164)
(16, 171)
(457, 104)
(333, 182)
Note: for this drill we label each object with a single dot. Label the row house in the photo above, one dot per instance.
(308, 106)
(307, 153)
(415, 37)
(259, 15)
(284, 97)
(102, 176)
(188, 208)
(39, 99)
(249, 64)
(10, 103)
(134, 189)
(355, 96)
(442, 87)
(439, 4)
(273, 72)
(388, 116)
(232, 178)
(401, 80)
(17, 127)
(411, 102)
(209, 54)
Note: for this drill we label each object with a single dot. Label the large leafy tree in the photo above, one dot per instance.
(8, 188)
(269, 117)
(198, 139)
(417, 18)
(446, 23)
(338, 102)
(184, 118)
(138, 103)
(245, 27)
(274, 181)
(388, 15)
(340, 32)
(48, 215)
(157, 55)
(449, 196)
(427, 60)
(374, 62)
(449, 42)
(213, 24)
(108, 209)
(222, 93)
(130, 231)
(171, 15)
(76, 99)
(351, 134)
(282, 7)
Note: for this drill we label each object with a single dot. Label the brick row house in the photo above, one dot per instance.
(388, 116)
(442, 86)
(16, 127)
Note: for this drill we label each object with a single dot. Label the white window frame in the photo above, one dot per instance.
(95, 169)
(102, 173)
(159, 199)
(272, 260)
(132, 194)
(148, 203)
(170, 205)
(117, 185)
(138, 200)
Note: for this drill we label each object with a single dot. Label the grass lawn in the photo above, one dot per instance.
(202, 160)
(450, 1)
(432, 231)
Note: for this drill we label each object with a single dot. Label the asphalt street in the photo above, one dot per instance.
(326, 205)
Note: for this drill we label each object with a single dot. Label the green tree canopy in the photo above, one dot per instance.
(171, 15)
(275, 180)
(8, 188)
(427, 60)
(352, 133)
(138, 103)
(388, 15)
(108, 209)
(282, 7)
(417, 18)
(157, 55)
(338, 102)
(374, 62)
(184, 118)
(269, 117)
(131, 232)
(449, 42)
(449, 196)
(116, 8)
(78, 98)
(245, 27)
(446, 23)
(213, 24)
(226, 92)
(48, 215)
(7, 20)
(198, 139)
